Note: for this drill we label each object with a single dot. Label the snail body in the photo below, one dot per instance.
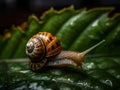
(44, 49)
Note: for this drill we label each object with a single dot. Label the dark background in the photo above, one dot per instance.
(17, 11)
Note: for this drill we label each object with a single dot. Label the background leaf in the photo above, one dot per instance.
(77, 30)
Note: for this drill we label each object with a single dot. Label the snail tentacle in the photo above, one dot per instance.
(75, 58)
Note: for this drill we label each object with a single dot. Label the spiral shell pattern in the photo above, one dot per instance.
(40, 46)
(35, 48)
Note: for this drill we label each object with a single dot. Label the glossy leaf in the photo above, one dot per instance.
(77, 30)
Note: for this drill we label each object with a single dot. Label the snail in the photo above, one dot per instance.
(44, 49)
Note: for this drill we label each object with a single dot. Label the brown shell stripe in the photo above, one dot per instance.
(39, 49)
(47, 38)
(52, 44)
(42, 51)
(53, 48)
(35, 66)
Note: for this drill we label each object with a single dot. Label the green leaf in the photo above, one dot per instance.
(15, 39)
(95, 32)
(74, 26)
(77, 30)
(98, 77)
(57, 20)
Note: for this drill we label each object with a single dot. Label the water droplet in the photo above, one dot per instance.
(107, 24)
(33, 86)
(40, 88)
(90, 65)
(24, 71)
(108, 82)
(95, 23)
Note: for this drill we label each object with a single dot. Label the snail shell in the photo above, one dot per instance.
(44, 49)
(41, 46)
